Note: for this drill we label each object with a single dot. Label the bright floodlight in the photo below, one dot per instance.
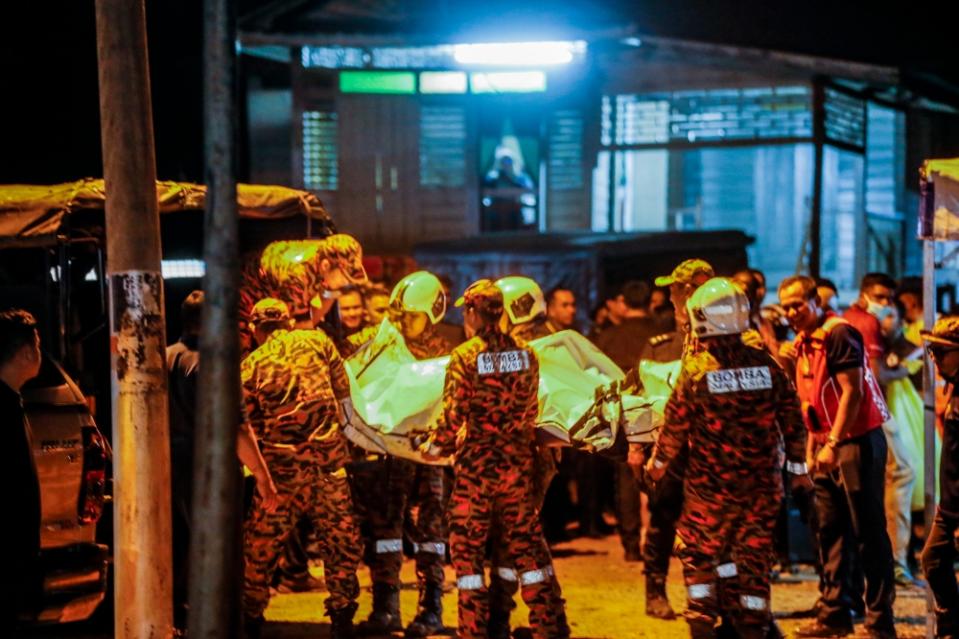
(518, 53)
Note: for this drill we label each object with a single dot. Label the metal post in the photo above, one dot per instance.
(819, 141)
(929, 399)
(215, 578)
(142, 534)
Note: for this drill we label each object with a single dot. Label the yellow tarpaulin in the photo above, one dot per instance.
(31, 211)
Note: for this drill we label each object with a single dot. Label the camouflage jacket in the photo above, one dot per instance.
(490, 402)
(533, 329)
(735, 407)
(291, 387)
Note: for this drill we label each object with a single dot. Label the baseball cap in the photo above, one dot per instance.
(347, 254)
(270, 309)
(686, 273)
(483, 295)
(944, 333)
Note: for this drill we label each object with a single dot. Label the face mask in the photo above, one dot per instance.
(879, 311)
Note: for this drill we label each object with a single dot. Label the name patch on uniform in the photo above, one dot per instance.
(733, 380)
(502, 362)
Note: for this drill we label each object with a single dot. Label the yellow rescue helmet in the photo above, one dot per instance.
(522, 298)
(420, 292)
(718, 307)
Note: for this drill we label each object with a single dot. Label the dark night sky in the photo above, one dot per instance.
(49, 129)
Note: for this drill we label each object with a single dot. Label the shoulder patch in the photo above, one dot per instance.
(502, 362)
(733, 380)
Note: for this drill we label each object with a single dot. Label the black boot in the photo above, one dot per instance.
(385, 617)
(341, 622)
(657, 605)
(429, 619)
(500, 606)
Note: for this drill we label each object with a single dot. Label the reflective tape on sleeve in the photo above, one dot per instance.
(432, 547)
(506, 574)
(796, 468)
(470, 582)
(700, 591)
(750, 602)
(384, 546)
(725, 571)
(531, 577)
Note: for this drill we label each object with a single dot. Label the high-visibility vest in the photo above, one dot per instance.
(820, 392)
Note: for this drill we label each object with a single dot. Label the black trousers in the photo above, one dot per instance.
(938, 557)
(628, 507)
(665, 507)
(850, 509)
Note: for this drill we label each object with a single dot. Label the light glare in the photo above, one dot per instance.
(508, 82)
(517, 53)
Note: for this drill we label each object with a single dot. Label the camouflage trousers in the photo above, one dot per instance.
(324, 498)
(388, 492)
(501, 495)
(727, 557)
(503, 577)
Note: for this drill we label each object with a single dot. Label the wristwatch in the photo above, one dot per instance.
(832, 441)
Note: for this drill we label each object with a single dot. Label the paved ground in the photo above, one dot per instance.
(604, 597)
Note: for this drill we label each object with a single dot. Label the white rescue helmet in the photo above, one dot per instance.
(718, 307)
(420, 292)
(522, 298)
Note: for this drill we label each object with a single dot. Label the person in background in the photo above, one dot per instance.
(623, 344)
(452, 332)
(183, 366)
(600, 321)
(871, 308)
(351, 309)
(666, 500)
(661, 308)
(846, 453)
(828, 294)
(903, 363)
(940, 554)
(754, 286)
(21, 583)
(377, 300)
(560, 309)
(913, 317)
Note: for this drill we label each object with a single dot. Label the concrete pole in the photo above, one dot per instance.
(142, 534)
(929, 399)
(215, 577)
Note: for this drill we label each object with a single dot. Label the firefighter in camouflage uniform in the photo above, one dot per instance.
(524, 318)
(490, 403)
(386, 487)
(733, 406)
(298, 272)
(293, 384)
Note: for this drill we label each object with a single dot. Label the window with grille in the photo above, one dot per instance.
(442, 146)
(714, 115)
(566, 151)
(320, 156)
(845, 118)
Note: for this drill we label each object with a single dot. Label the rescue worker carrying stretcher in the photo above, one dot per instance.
(293, 384)
(490, 410)
(524, 318)
(386, 487)
(732, 406)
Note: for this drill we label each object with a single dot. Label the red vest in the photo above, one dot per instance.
(820, 392)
